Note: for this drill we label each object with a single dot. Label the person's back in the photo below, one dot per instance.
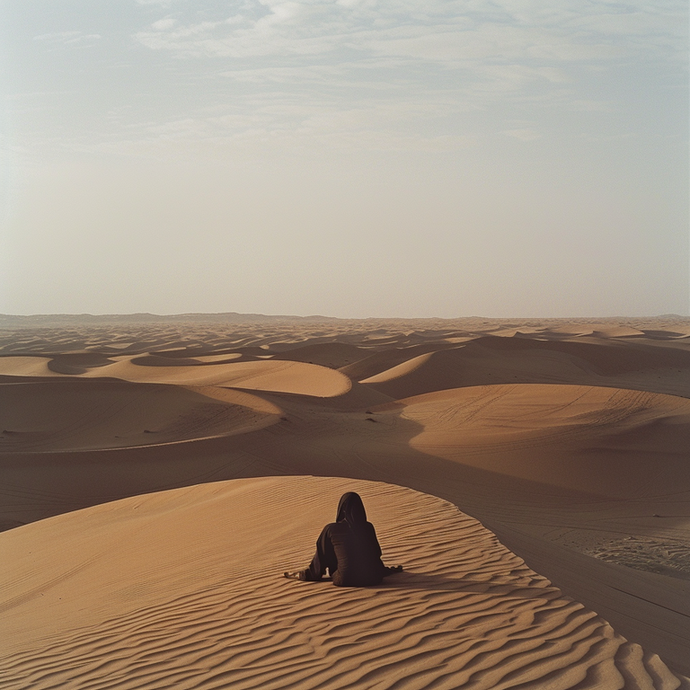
(348, 549)
(357, 553)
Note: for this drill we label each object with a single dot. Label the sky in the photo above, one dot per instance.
(351, 158)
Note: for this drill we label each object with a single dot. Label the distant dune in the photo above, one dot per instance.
(53, 320)
(159, 474)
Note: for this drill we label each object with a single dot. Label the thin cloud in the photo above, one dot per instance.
(164, 24)
(526, 134)
(472, 53)
(68, 38)
(454, 70)
(443, 32)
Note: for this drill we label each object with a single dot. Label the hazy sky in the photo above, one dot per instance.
(348, 158)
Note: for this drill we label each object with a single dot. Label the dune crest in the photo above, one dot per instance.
(183, 588)
(299, 378)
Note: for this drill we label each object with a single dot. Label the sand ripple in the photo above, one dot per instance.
(466, 613)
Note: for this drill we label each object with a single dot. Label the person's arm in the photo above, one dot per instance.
(387, 570)
(323, 558)
(376, 547)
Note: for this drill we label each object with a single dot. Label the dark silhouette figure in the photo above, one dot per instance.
(348, 549)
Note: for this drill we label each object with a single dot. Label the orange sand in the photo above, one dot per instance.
(568, 440)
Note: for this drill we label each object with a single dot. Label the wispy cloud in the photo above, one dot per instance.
(469, 52)
(69, 38)
(443, 32)
(525, 134)
(161, 3)
(386, 74)
(264, 119)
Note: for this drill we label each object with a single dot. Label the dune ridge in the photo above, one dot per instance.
(567, 439)
(467, 612)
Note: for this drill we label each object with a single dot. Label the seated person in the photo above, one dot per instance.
(348, 548)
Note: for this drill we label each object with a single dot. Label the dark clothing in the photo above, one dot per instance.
(348, 548)
(353, 558)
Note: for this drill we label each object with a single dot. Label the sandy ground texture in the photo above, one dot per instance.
(181, 589)
(568, 440)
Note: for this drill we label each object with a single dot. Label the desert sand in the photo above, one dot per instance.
(158, 476)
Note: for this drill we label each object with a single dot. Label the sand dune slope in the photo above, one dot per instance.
(527, 431)
(561, 473)
(183, 589)
(287, 377)
(334, 355)
(77, 414)
(299, 378)
(492, 360)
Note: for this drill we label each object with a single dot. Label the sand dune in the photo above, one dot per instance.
(495, 359)
(74, 414)
(503, 428)
(183, 589)
(568, 440)
(24, 366)
(284, 377)
(332, 355)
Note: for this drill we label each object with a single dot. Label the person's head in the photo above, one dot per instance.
(351, 509)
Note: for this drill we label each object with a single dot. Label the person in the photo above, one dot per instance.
(348, 549)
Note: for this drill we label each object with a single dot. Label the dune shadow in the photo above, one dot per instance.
(74, 364)
(661, 335)
(409, 580)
